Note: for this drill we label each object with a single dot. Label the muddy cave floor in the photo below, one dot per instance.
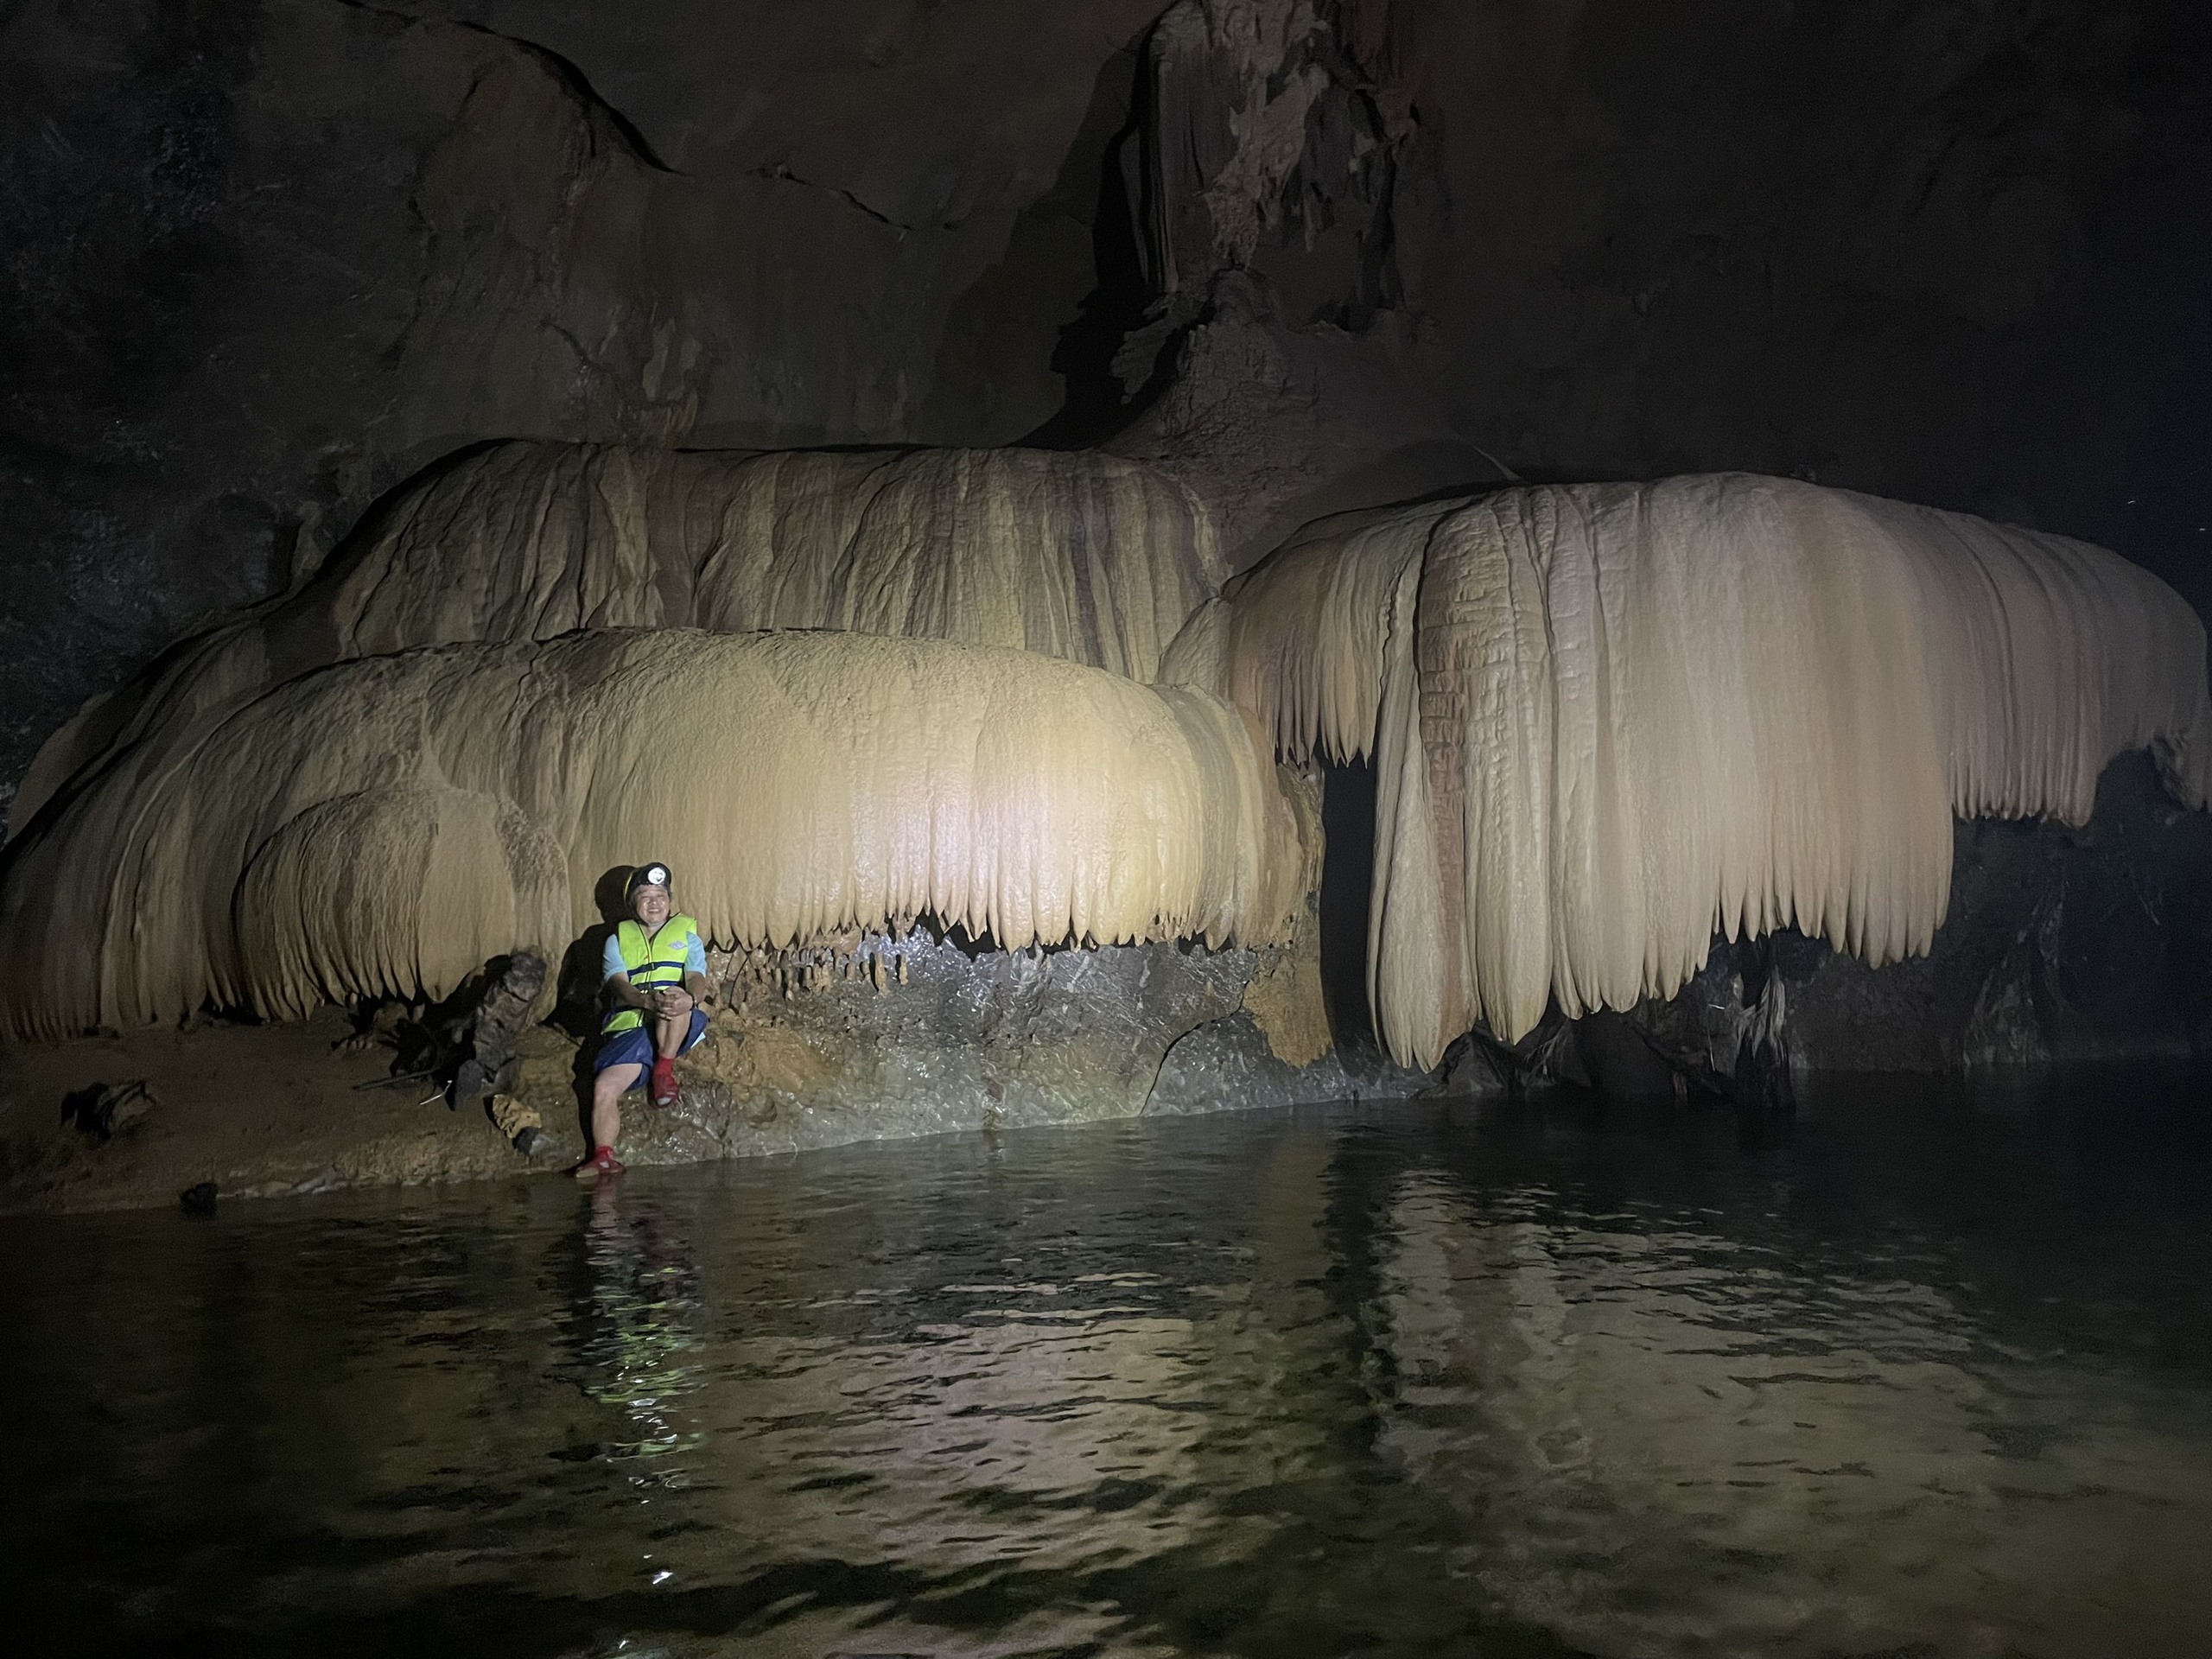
(260, 1111)
(292, 1109)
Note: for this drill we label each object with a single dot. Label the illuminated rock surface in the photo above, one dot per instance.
(320, 271)
(383, 827)
(1611, 720)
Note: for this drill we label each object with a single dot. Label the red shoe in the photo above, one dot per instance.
(602, 1162)
(666, 1092)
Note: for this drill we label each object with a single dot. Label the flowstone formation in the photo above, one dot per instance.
(383, 827)
(1610, 720)
(267, 263)
(728, 438)
(1085, 557)
(913, 713)
(963, 867)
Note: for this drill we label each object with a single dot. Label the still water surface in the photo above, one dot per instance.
(1932, 1375)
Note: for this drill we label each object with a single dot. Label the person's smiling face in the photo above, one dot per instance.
(651, 905)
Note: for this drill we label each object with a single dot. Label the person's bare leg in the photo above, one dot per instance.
(606, 1092)
(668, 1031)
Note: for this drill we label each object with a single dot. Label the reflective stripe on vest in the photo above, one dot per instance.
(651, 963)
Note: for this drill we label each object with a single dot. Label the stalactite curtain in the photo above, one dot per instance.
(1609, 720)
(381, 828)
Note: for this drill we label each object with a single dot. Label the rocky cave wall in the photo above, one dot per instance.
(264, 262)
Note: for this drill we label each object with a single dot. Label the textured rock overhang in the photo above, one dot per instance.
(1609, 720)
(384, 826)
(1078, 556)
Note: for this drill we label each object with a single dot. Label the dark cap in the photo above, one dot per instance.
(650, 875)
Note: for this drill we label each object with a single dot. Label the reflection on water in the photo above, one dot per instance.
(1935, 1378)
(641, 1338)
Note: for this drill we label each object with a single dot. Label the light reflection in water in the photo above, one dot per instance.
(1937, 1378)
(1651, 1418)
(641, 1334)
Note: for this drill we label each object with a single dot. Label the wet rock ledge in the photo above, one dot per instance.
(881, 1040)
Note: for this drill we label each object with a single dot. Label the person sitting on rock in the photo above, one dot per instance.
(656, 977)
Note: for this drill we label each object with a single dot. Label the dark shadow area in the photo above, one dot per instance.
(1347, 881)
(99, 1109)
(2103, 433)
(1026, 356)
(575, 1009)
(1097, 402)
(103, 721)
(576, 1005)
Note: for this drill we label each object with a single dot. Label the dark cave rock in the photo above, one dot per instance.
(1273, 426)
(1258, 144)
(101, 1111)
(1276, 372)
(296, 253)
(968, 1039)
(288, 256)
(981, 1039)
(503, 1004)
(1811, 239)
(1227, 1065)
(2062, 944)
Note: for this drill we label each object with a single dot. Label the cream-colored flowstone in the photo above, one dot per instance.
(1607, 720)
(1077, 555)
(382, 827)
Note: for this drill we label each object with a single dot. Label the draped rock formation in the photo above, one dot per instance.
(1078, 556)
(1610, 719)
(384, 826)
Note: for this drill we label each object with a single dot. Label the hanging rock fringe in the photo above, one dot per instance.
(1610, 719)
(381, 828)
(1079, 555)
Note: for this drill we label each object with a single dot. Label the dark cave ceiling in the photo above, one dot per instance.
(265, 261)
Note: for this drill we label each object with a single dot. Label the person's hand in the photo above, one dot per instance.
(672, 1000)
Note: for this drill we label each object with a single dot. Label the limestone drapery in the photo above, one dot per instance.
(382, 827)
(1078, 555)
(1609, 720)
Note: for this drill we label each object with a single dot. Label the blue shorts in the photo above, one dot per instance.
(635, 1046)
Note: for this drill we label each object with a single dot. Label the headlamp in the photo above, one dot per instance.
(648, 875)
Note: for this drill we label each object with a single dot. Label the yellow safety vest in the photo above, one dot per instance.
(651, 962)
